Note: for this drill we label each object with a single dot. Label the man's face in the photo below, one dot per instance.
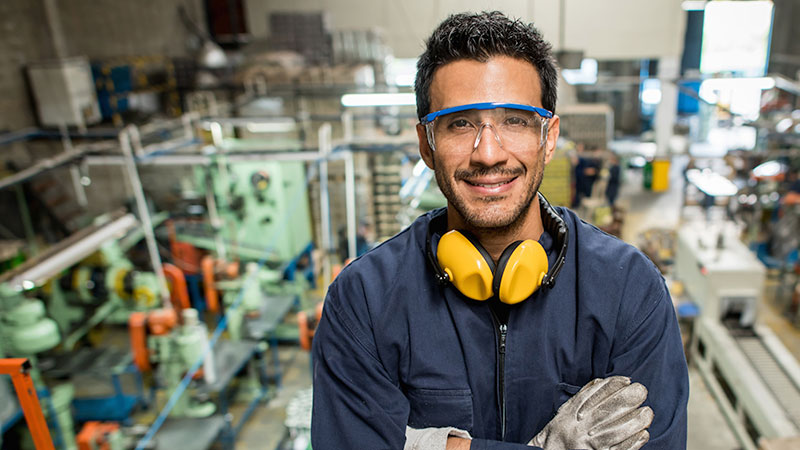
(491, 186)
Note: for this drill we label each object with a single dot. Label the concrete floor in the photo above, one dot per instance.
(707, 428)
(265, 429)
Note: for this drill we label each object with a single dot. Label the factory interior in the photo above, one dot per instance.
(181, 181)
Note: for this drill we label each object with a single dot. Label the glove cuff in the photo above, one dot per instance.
(431, 438)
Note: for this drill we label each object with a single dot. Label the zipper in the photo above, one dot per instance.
(501, 379)
(502, 329)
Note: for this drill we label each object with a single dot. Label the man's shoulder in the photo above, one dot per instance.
(393, 252)
(397, 258)
(593, 242)
(615, 280)
(366, 291)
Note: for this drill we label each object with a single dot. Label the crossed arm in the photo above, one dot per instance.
(604, 414)
(357, 404)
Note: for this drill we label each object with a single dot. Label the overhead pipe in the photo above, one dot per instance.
(350, 203)
(144, 213)
(325, 147)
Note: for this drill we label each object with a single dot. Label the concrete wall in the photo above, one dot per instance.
(112, 28)
(23, 38)
(99, 29)
(784, 56)
(94, 28)
(614, 29)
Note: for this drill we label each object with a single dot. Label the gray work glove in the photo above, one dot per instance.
(431, 438)
(603, 415)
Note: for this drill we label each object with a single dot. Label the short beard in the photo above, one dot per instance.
(473, 219)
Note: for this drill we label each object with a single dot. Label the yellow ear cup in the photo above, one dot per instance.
(523, 273)
(468, 270)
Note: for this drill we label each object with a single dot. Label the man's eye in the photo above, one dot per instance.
(517, 121)
(460, 124)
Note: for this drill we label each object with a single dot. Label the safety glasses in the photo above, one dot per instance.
(459, 129)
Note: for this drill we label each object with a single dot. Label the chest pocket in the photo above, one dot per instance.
(440, 408)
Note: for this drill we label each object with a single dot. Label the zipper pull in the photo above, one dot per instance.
(503, 331)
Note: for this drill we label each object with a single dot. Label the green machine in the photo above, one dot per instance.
(106, 284)
(262, 207)
(25, 331)
(175, 353)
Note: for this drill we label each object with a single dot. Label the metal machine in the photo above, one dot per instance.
(158, 339)
(26, 331)
(107, 285)
(259, 210)
(753, 377)
(51, 302)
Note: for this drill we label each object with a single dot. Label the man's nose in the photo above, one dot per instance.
(488, 148)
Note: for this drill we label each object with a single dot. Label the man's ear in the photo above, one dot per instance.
(425, 150)
(553, 130)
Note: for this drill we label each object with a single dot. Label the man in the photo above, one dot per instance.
(792, 195)
(441, 336)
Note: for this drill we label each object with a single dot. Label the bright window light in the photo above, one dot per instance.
(711, 183)
(693, 5)
(769, 169)
(401, 71)
(587, 74)
(282, 126)
(736, 37)
(651, 91)
(393, 99)
(784, 125)
(741, 95)
(739, 83)
(733, 138)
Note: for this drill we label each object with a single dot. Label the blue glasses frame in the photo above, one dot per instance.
(488, 105)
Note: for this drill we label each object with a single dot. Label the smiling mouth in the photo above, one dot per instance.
(492, 185)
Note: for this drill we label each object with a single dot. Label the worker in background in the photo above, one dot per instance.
(587, 169)
(498, 322)
(792, 195)
(612, 186)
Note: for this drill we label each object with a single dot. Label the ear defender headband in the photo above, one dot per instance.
(460, 259)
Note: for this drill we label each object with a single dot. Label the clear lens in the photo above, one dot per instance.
(462, 131)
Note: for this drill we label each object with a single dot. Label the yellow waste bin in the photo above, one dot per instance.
(660, 175)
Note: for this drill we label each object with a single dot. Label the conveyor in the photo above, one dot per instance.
(748, 370)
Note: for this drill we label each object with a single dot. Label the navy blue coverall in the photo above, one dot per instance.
(394, 348)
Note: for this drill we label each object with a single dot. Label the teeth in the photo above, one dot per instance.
(493, 185)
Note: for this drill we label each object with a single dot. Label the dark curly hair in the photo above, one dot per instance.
(480, 37)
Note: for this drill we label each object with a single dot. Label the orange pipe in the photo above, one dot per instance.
(137, 326)
(179, 293)
(212, 298)
(304, 332)
(94, 435)
(306, 326)
(161, 321)
(319, 310)
(31, 408)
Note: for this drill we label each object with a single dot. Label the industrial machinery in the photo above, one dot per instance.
(107, 284)
(25, 331)
(19, 370)
(246, 242)
(753, 377)
(53, 301)
(258, 210)
(157, 339)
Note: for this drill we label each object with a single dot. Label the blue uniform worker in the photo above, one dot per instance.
(498, 322)
(394, 348)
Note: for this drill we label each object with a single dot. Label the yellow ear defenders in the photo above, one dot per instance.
(522, 267)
